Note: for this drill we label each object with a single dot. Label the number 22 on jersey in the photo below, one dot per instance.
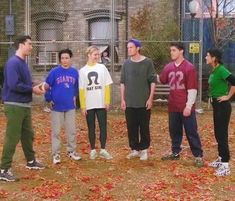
(175, 80)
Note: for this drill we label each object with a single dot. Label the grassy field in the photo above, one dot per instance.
(119, 179)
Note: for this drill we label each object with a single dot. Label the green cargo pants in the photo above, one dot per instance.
(19, 128)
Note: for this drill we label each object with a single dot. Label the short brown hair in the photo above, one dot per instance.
(21, 40)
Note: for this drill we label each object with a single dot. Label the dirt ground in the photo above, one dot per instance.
(119, 179)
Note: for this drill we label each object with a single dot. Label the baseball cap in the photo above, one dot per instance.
(136, 42)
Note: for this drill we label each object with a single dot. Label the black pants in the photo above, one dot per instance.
(102, 120)
(137, 120)
(176, 123)
(221, 117)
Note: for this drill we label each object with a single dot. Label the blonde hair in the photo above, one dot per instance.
(91, 49)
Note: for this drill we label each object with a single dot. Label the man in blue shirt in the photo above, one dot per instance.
(17, 98)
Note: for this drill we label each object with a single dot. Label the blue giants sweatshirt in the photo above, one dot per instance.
(63, 88)
(17, 85)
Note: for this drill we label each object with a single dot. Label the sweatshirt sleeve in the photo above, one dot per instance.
(76, 85)
(163, 77)
(15, 82)
(47, 96)
(82, 98)
(82, 92)
(107, 94)
(50, 78)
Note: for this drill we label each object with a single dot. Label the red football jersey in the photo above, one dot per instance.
(180, 79)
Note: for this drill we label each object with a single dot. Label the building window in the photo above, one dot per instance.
(49, 30)
(100, 34)
(100, 29)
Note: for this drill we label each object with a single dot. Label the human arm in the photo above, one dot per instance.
(191, 98)
(82, 98)
(152, 82)
(15, 79)
(123, 102)
(107, 96)
(158, 79)
(163, 76)
(149, 102)
(231, 80)
(76, 89)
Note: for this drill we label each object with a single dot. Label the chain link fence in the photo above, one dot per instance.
(59, 24)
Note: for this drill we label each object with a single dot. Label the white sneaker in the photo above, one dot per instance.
(143, 155)
(74, 155)
(222, 171)
(105, 154)
(133, 154)
(46, 109)
(56, 159)
(216, 163)
(93, 154)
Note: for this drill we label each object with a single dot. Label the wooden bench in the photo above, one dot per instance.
(161, 93)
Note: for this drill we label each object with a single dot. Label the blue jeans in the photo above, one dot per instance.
(176, 123)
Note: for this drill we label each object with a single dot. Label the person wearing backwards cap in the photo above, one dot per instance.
(137, 90)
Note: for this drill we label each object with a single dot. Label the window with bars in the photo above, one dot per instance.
(100, 34)
(49, 30)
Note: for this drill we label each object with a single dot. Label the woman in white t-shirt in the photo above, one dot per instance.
(94, 94)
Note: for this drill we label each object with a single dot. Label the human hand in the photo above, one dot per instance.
(123, 105)
(187, 112)
(84, 112)
(223, 98)
(36, 90)
(149, 104)
(107, 106)
(50, 104)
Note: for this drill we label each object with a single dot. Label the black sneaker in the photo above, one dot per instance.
(6, 175)
(34, 165)
(172, 156)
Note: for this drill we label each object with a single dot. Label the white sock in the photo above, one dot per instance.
(225, 165)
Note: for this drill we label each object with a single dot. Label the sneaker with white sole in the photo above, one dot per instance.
(133, 154)
(56, 159)
(143, 155)
(74, 155)
(171, 156)
(46, 109)
(34, 165)
(222, 171)
(105, 154)
(199, 162)
(216, 163)
(93, 154)
(6, 175)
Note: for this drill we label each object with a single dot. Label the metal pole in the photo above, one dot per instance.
(27, 17)
(200, 57)
(10, 13)
(193, 38)
(27, 24)
(112, 19)
(127, 25)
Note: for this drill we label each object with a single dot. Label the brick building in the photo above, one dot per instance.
(74, 24)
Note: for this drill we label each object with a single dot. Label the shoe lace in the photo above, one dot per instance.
(9, 172)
